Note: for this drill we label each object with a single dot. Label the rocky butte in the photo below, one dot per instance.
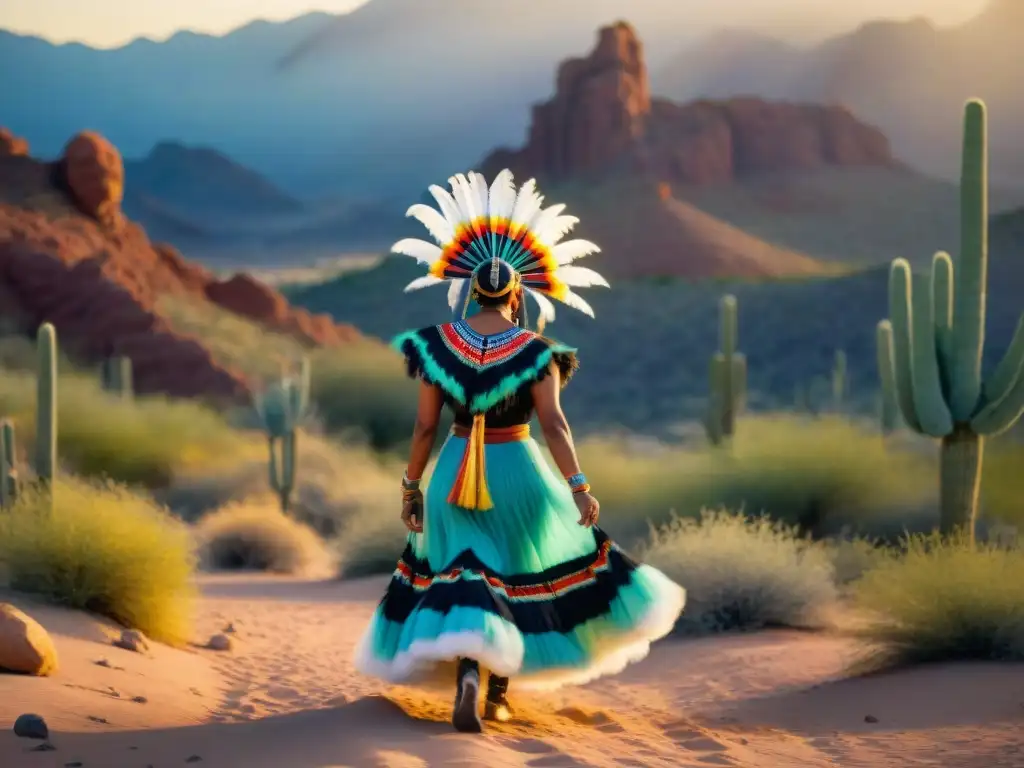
(69, 256)
(603, 119)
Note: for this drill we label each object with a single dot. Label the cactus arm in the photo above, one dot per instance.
(1003, 378)
(900, 311)
(929, 403)
(942, 305)
(886, 374)
(999, 415)
(968, 335)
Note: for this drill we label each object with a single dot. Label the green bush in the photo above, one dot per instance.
(145, 440)
(256, 535)
(743, 573)
(827, 476)
(102, 549)
(936, 600)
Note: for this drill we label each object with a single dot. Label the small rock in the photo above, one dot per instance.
(96, 719)
(870, 719)
(44, 747)
(132, 640)
(140, 699)
(102, 663)
(31, 727)
(230, 628)
(25, 647)
(220, 643)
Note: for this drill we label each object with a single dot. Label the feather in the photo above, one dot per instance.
(438, 226)
(543, 218)
(465, 197)
(547, 307)
(478, 186)
(576, 302)
(527, 205)
(421, 250)
(447, 203)
(453, 292)
(555, 229)
(422, 282)
(570, 250)
(502, 196)
(580, 277)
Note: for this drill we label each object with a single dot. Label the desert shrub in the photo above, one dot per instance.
(852, 558)
(371, 541)
(145, 440)
(938, 600)
(743, 573)
(103, 549)
(825, 475)
(334, 481)
(256, 535)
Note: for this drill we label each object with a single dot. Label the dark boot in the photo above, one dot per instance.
(466, 714)
(497, 707)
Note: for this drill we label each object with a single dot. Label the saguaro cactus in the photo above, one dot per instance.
(116, 376)
(889, 408)
(46, 403)
(839, 380)
(727, 377)
(282, 408)
(938, 341)
(8, 465)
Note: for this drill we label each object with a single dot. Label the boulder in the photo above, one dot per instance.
(25, 647)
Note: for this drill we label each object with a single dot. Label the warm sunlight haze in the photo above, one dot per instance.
(111, 23)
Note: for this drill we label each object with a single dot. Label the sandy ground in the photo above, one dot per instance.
(287, 696)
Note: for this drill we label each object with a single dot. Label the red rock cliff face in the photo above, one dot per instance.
(68, 256)
(602, 118)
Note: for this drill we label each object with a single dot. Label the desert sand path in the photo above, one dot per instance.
(287, 696)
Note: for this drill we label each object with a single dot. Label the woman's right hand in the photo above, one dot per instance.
(412, 513)
(589, 509)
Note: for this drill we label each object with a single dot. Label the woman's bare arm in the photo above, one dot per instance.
(424, 434)
(547, 401)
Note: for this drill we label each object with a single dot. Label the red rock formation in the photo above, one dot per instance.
(100, 285)
(11, 145)
(602, 119)
(94, 174)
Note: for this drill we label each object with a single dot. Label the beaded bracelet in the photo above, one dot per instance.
(577, 481)
(585, 488)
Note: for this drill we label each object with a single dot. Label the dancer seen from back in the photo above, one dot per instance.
(505, 567)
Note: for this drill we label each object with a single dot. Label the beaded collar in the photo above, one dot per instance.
(482, 351)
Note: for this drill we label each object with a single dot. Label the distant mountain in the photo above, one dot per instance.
(909, 78)
(380, 101)
(204, 183)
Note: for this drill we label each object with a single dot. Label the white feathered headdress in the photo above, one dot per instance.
(477, 224)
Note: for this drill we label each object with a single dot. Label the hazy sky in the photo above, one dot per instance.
(108, 23)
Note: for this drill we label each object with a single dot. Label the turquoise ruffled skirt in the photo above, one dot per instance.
(522, 588)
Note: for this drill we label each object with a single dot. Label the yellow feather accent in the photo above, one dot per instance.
(470, 488)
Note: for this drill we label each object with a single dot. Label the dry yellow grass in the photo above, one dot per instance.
(254, 534)
(102, 549)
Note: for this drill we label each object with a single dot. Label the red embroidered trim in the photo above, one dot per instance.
(544, 591)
